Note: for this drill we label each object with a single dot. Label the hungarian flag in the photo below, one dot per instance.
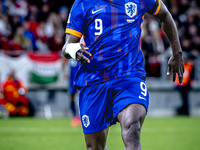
(45, 67)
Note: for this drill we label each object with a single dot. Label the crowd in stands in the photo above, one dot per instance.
(186, 14)
(33, 26)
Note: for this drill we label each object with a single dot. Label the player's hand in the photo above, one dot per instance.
(80, 57)
(176, 66)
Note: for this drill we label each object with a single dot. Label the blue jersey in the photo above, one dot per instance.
(111, 30)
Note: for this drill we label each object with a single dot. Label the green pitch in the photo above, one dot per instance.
(179, 133)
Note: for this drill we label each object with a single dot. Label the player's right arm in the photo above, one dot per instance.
(73, 49)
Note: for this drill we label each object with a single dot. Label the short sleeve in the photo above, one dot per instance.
(76, 21)
(153, 6)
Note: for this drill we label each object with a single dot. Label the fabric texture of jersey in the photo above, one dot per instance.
(112, 31)
(106, 100)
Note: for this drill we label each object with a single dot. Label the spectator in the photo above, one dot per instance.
(56, 42)
(15, 23)
(152, 43)
(8, 7)
(5, 27)
(53, 22)
(29, 37)
(155, 31)
(13, 47)
(45, 11)
(183, 5)
(16, 44)
(15, 93)
(195, 46)
(33, 23)
(41, 38)
(63, 13)
(20, 8)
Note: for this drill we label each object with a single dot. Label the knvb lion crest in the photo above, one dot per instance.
(85, 120)
(131, 9)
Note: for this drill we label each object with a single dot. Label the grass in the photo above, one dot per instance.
(179, 133)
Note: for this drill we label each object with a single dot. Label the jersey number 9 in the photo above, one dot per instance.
(98, 26)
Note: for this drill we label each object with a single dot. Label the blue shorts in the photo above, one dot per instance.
(100, 104)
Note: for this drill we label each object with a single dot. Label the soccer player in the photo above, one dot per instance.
(111, 77)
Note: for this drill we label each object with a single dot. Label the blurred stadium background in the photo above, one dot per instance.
(32, 33)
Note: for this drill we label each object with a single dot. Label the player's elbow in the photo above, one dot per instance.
(164, 14)
(166, 17)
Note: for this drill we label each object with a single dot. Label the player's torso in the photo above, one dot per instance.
(112, 32)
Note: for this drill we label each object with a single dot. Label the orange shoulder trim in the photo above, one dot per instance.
(158, 8)
(73, 32)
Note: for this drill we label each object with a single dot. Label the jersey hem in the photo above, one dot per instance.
(112, 77)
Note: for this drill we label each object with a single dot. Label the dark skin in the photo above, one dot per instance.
(132, 117)
(175, 64)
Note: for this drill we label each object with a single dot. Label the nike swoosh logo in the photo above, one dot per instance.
(93, 12)
(142, 98)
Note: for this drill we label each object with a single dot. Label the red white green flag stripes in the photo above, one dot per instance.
(45, 67)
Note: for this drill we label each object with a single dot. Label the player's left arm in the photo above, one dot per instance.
(175, 64)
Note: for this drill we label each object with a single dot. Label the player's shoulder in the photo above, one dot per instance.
(83, 3)
(78, 3)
